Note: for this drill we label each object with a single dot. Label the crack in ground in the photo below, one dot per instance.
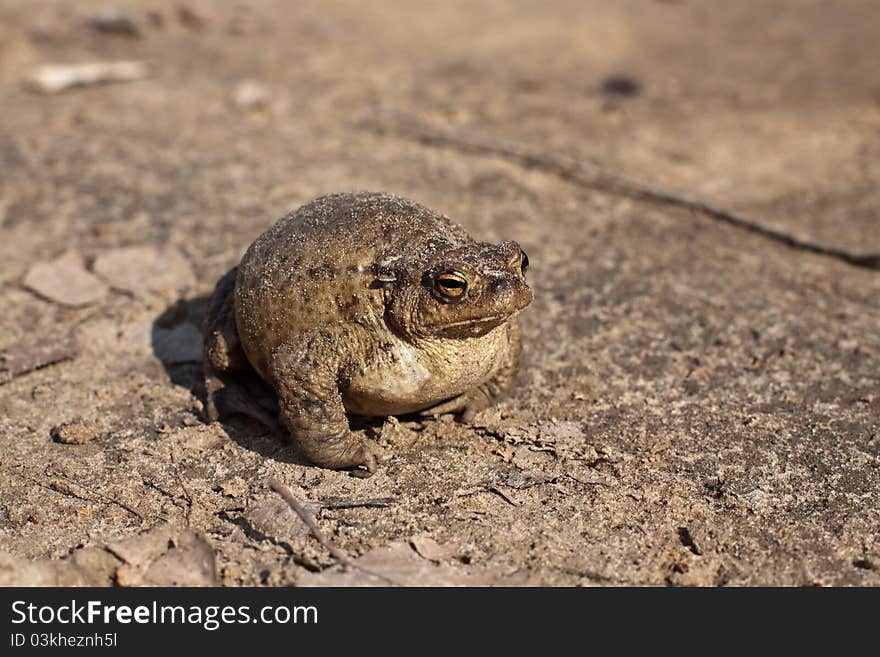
(591, 175)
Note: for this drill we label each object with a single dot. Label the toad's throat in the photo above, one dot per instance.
(409, 378)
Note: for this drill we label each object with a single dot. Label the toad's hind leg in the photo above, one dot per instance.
(223, 351)
(224, 357)
(469, 403)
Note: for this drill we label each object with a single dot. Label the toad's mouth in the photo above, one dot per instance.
(479, 321)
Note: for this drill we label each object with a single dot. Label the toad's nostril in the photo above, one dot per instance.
(500, 285)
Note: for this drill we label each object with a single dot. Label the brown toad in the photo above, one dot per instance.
(368, 304)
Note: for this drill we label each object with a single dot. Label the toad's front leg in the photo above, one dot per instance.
(307, 375)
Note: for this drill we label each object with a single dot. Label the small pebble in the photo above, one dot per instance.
(191, 18)
(235, 487)
(621, 85)
(76, 432)
(251, 95)
(113, 20)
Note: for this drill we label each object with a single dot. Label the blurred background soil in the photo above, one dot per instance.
(698, 405)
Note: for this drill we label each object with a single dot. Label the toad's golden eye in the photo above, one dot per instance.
(451, 284)
(523, 262)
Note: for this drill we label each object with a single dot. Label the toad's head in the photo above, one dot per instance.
(460, 292)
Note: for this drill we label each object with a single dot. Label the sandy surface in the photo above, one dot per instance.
(698, 405)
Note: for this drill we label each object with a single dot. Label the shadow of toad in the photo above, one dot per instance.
(176, 339)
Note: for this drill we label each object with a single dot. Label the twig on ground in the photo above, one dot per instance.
(497, 491)
(186, 494)
(485, 487)
(55, 78)
(370, 503)
(309, 520)
(65, 487)
(592, 175)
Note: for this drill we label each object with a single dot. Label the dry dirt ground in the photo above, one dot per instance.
(698, 405)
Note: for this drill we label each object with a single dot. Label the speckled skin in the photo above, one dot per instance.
(339, 308)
